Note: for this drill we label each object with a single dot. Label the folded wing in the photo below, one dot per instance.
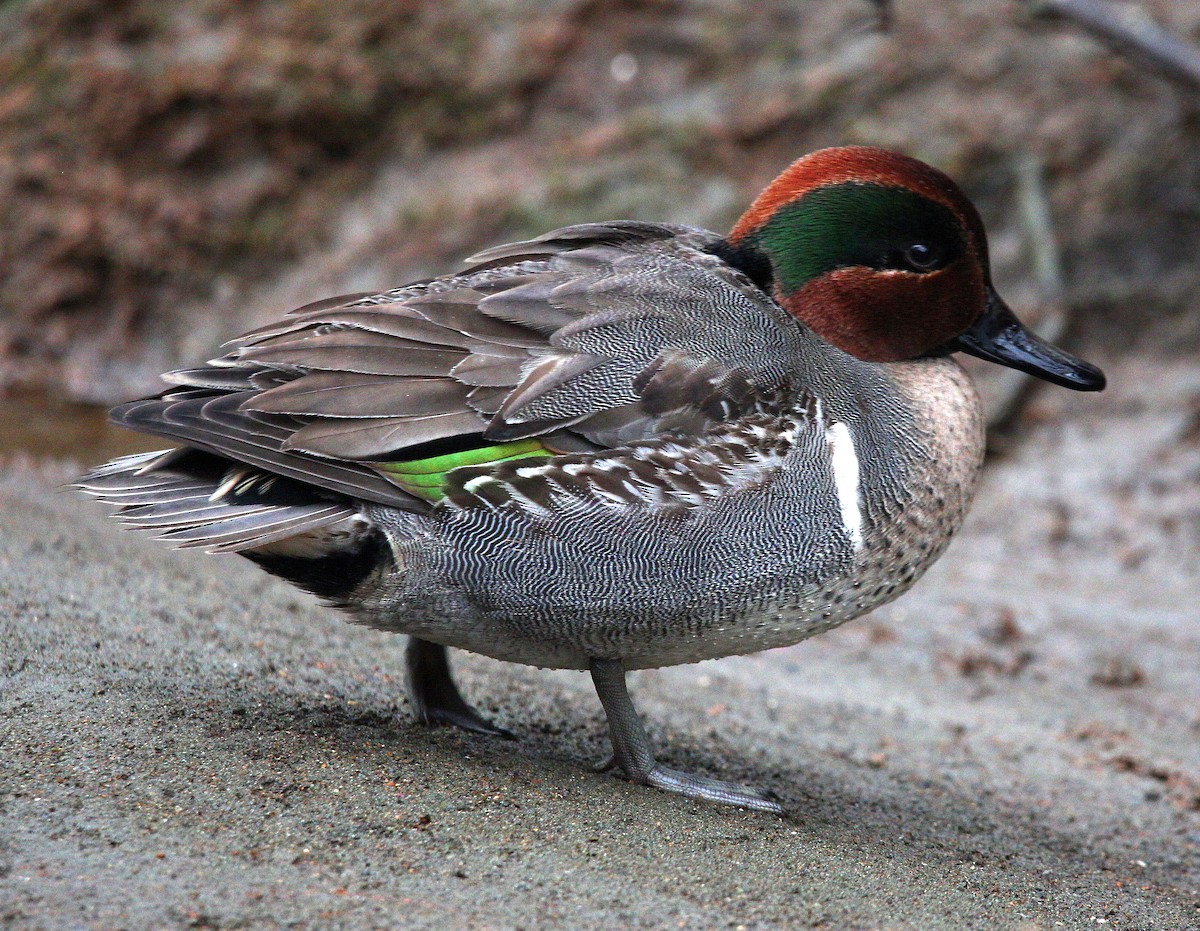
(589, 338)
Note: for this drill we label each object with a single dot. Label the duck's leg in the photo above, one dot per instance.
(434, 696)
(631, 749)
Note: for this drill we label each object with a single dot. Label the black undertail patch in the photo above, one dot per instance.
(335, 576)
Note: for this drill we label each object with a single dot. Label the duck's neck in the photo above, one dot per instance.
(948, 419)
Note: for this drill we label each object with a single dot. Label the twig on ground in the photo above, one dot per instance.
(1130, 30)
(886, 15)
(1034, 204)
(1013, 387)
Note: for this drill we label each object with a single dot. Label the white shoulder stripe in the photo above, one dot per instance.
(844, 461)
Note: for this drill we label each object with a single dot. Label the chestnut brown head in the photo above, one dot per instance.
(884, 257)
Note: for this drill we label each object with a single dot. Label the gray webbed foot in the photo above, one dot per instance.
(435, 698)
(632, 753)
(711, 790)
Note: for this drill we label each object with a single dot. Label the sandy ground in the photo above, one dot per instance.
(1016, 744)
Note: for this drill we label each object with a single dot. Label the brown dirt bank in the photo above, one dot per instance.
(171, 172)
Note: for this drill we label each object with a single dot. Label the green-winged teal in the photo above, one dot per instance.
(616, 446)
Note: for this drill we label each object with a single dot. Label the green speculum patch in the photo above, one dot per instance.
(426, 478)
(854, 224)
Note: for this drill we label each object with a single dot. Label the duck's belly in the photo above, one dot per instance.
(759, 568)
(651, 593)
(650, 589)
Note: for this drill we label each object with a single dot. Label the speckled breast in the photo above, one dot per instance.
(854, 513)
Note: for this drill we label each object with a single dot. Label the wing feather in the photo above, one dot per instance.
(598, 334)
(379, 438)
(349, 395)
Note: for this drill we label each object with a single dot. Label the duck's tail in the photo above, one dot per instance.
(321, 542)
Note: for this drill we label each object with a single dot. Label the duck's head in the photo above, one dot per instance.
(885, 258)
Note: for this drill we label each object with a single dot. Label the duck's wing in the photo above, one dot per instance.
(589, 337)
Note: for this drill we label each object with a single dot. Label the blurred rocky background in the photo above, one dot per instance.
(187, 743)
(172, 173)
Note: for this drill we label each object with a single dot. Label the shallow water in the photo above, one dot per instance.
(43, 426)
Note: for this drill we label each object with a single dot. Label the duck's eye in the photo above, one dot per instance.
(922, 257)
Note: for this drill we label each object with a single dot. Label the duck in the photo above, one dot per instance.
(616, 446)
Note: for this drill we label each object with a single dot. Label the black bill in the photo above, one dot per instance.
(999, 336)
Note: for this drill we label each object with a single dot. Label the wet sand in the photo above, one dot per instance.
(1016, 744)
